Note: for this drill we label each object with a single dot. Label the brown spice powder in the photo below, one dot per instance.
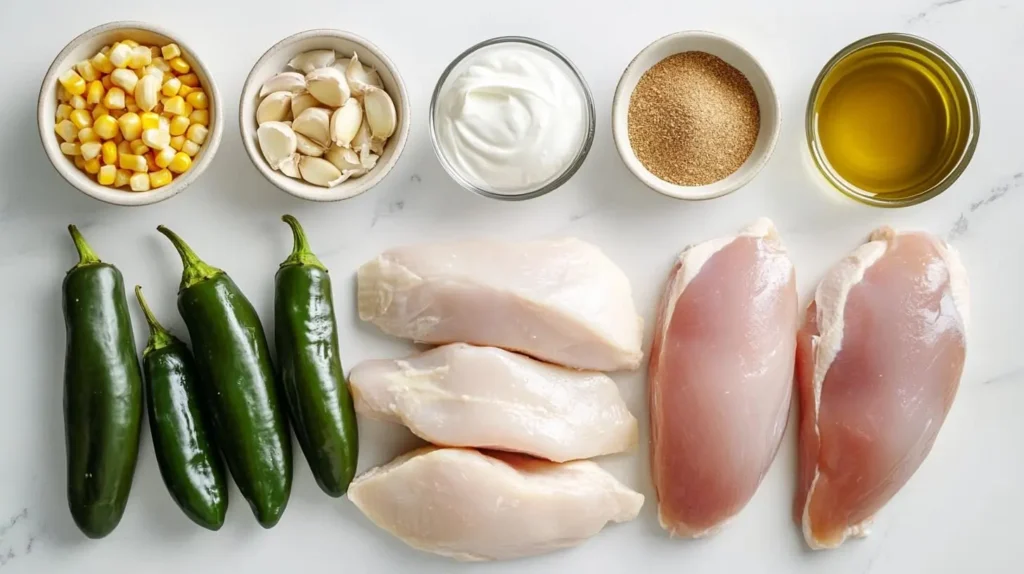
(693, 119)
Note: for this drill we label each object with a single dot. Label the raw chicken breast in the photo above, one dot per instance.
(461, 395)
(467, 505)
(561, 301)
(878, 364)
(721, 377)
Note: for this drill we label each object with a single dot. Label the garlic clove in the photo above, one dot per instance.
(293, 82)
(343, 158)
(380, 112)
(354, 173)
(361, 141)
(302, 102)
(277, 107)
(328, 86)
(377, 145)
(306, 62)
(315, 124)
(345, 122)
(308, 147)
(290, 166)
(277, 143)
(318, 171)
(368, 161)
(341, 64)
(359, 77)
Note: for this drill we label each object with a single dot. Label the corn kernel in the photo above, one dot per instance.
(120, 54)
(170, 51)
(197, 133)
(198, 100)
(87, 71)
(156, 73)
(161, 64)
(67, 130)
(106, 83)
(133, 162)
(147, 90)
(165, 124)
(114, 99)
(105, 50)
(125, 79)
(109, 153)
(190, 80)
(140, 58)
(200, 117)
(107, 175)
(69, 148)
(139, 147)
(92, 166)
(190, 148)
(131, 126)
(78, 102)
(130, 105)
(163, 159)
(160, 178)
(86, 135)
(105, 126)
(175, 105)
(177, 142)
(179, 125)
(130, 43)
(171, 87)
(139, 182)
(151, 162)
(90, 150)
(102, 63)
(72, 82)
(124, 148)
(150, 120)
(63, 95)
(185, 90)
(99, 110)
(94, 93)
(180, 162)
(79, 162)
(180, 66)
(122, 178)
(63, 112)
(156, 139)
(81, 118)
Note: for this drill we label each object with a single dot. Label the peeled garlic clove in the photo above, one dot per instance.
(315, 124)
(359, 77)
(277, 143)
(306, 62)
(361, 141)
(341, 64)
(290, 166)
(302, 102)
(354, 173)
(308, 146)
(368, 161)
(380, 112)
(276, 107)
(343, 158)
(318, 171)
(377, 145)
(345, 122)
(328, 86)
(292, 82)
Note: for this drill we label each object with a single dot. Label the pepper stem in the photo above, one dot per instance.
(195, 270)
(158, 336)
(86, 256)
(301, 253)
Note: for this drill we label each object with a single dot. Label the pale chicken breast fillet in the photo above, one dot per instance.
(561, 301)
(879, 360)
(461, 395)
(468, 505)
(721, 377)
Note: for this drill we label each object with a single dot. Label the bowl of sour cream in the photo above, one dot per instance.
(511, 118)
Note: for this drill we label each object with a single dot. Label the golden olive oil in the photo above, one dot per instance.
(892, 121)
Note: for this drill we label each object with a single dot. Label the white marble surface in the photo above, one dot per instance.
(960, 513)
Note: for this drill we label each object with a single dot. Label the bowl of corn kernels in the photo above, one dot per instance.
(128, 114)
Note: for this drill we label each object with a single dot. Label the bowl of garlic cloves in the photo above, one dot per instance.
(324, 115)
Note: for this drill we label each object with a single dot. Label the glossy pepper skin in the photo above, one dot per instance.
(306, 333)
(102, 393)
(233, 361)
(189, 463)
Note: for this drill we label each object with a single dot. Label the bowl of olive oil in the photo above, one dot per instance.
(892, 120)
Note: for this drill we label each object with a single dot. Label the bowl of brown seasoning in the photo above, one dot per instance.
(695, 116)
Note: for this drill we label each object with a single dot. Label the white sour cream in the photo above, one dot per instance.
(510, 118)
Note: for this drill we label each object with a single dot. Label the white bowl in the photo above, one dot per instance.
(734, 55)
(275, 61)
(85, 46)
